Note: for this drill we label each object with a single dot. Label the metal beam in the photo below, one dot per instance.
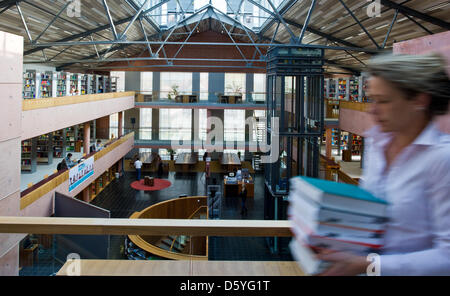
(390, 29)
(415, 13)
(245, 29)
(368, 50)
(308, 17)
(189, 36)
(24, 22)
(146, 38)
(359, 23)
(111, 21)
(111, 60)
(124, 33)
(53, 20)
(419, 24)
(234, 42)
(276, 15)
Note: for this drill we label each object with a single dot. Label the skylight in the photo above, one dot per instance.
(251, 13)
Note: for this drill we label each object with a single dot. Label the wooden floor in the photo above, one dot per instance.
(182, 268)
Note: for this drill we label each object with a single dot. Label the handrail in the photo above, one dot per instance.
(190, 217)
(99, 226)
(30, 195)
(41, 103)
(357, 106)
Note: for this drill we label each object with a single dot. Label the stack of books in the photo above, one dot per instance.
(333, 216)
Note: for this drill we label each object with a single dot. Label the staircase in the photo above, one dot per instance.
(261, 135)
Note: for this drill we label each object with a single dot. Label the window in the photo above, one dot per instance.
(204, 80)
(175, 82)
(235, 83)
(114, 125)
(234, 125)
(259, 87)
(175, 124)
(147, 82)
(145, 124)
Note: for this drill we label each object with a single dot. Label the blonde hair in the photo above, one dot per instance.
(414, 74)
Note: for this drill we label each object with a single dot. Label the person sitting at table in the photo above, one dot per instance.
(69, 161)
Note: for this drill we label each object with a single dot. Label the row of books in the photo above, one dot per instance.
(333, 216)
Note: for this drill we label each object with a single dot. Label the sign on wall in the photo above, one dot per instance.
(80, 173)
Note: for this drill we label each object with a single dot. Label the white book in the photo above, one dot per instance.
(319, 218)
(340, 196)
(335, 241)
(305, 257)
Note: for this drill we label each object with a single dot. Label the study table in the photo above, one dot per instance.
(185, 160)
(232, 188)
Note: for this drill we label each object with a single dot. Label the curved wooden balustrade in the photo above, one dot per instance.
(179, 208)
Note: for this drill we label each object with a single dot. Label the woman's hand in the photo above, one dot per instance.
(342, 263)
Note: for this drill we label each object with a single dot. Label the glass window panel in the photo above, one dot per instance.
(147, 82)
(175, 124)
(175, 83)
(145, 121)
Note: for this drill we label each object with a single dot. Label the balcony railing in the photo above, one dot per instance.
(200, 97)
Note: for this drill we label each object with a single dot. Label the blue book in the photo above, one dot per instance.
(338, 196)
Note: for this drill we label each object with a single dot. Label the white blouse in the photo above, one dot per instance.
(417, 186)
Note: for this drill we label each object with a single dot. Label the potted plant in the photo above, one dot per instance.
(173, 93)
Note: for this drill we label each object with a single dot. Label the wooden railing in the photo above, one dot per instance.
(99, 226)
(333, 170)
(358, 106)
(35, 192)
(69, 100)
(190, 217)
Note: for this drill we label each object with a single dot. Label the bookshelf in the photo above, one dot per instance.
(42, 149)
(29, 85)
(70, 139)
(26, 165)
(45, 85)
(342, 91)
(114, 84)
(75, 84)
(100, 84)
(356, 145)
(107, 82)
(58, 144)
(354, 93)
(87, 84)
(61, 84)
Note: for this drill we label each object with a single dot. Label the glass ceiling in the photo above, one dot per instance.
(245, 11)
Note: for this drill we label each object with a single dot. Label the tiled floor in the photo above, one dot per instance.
(121, 200)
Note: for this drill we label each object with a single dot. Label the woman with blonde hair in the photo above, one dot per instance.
(407, 163)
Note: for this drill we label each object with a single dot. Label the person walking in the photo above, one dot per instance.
(243, 194)
(138, 166)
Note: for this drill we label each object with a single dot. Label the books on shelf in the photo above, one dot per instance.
(26, 155)
(45, 87)
(70, 139)
(61, 84)
(29, 85)
(58, 144)
(333, 216)
(74, 85)
(42, 148)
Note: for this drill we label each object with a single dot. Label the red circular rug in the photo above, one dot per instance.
(160, 184)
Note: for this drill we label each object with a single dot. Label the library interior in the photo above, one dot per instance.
(194, 136)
